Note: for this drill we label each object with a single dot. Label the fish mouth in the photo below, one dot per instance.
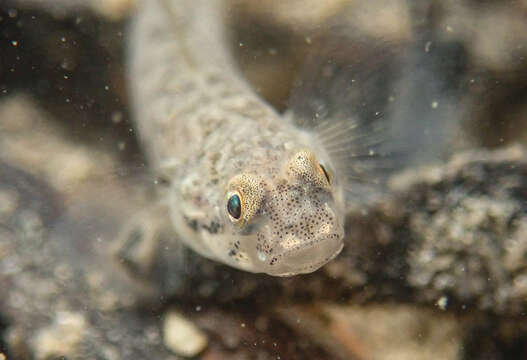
(305, 259)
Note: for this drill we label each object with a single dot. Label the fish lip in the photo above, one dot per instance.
(287, 270)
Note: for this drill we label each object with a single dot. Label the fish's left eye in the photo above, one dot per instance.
(234, 207)
(324, 172)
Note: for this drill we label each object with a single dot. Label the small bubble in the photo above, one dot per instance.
(63, 39)
(198, 308)
(14, 43)
(434, 104)
(106, 87)
(427, 46)
(117, 117)
(442, 302)
(12, 13)
(242, 325)
(240, 44)
(308, 40)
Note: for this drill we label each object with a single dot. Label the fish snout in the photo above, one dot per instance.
(307, 244)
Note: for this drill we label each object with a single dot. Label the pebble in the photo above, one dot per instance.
(61, 338)
(181, 336)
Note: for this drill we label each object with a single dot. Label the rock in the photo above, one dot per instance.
(61, 338)
(378, 332)
(181, 336)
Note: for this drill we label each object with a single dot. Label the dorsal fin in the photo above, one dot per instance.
(377, 106)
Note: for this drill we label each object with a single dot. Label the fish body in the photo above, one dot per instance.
(247, 187)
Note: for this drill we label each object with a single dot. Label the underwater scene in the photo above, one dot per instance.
(241, 179)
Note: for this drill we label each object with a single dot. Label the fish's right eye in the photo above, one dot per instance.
(234, 207)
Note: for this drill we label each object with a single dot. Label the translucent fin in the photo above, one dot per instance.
(377, 106)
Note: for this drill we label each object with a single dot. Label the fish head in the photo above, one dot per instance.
(287, 222)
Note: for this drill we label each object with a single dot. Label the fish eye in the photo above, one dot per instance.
(324, 172)
(234, 206)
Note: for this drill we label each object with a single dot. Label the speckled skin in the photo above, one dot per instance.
(207, 133)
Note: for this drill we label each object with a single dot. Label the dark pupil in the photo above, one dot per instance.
(234, 207)
(325, 172)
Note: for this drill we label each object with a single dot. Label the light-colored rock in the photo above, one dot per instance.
(181, 336)
(378, 332)
(28, 136)
(60, 339)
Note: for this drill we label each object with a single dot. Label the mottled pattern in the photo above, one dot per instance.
(210, 136)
